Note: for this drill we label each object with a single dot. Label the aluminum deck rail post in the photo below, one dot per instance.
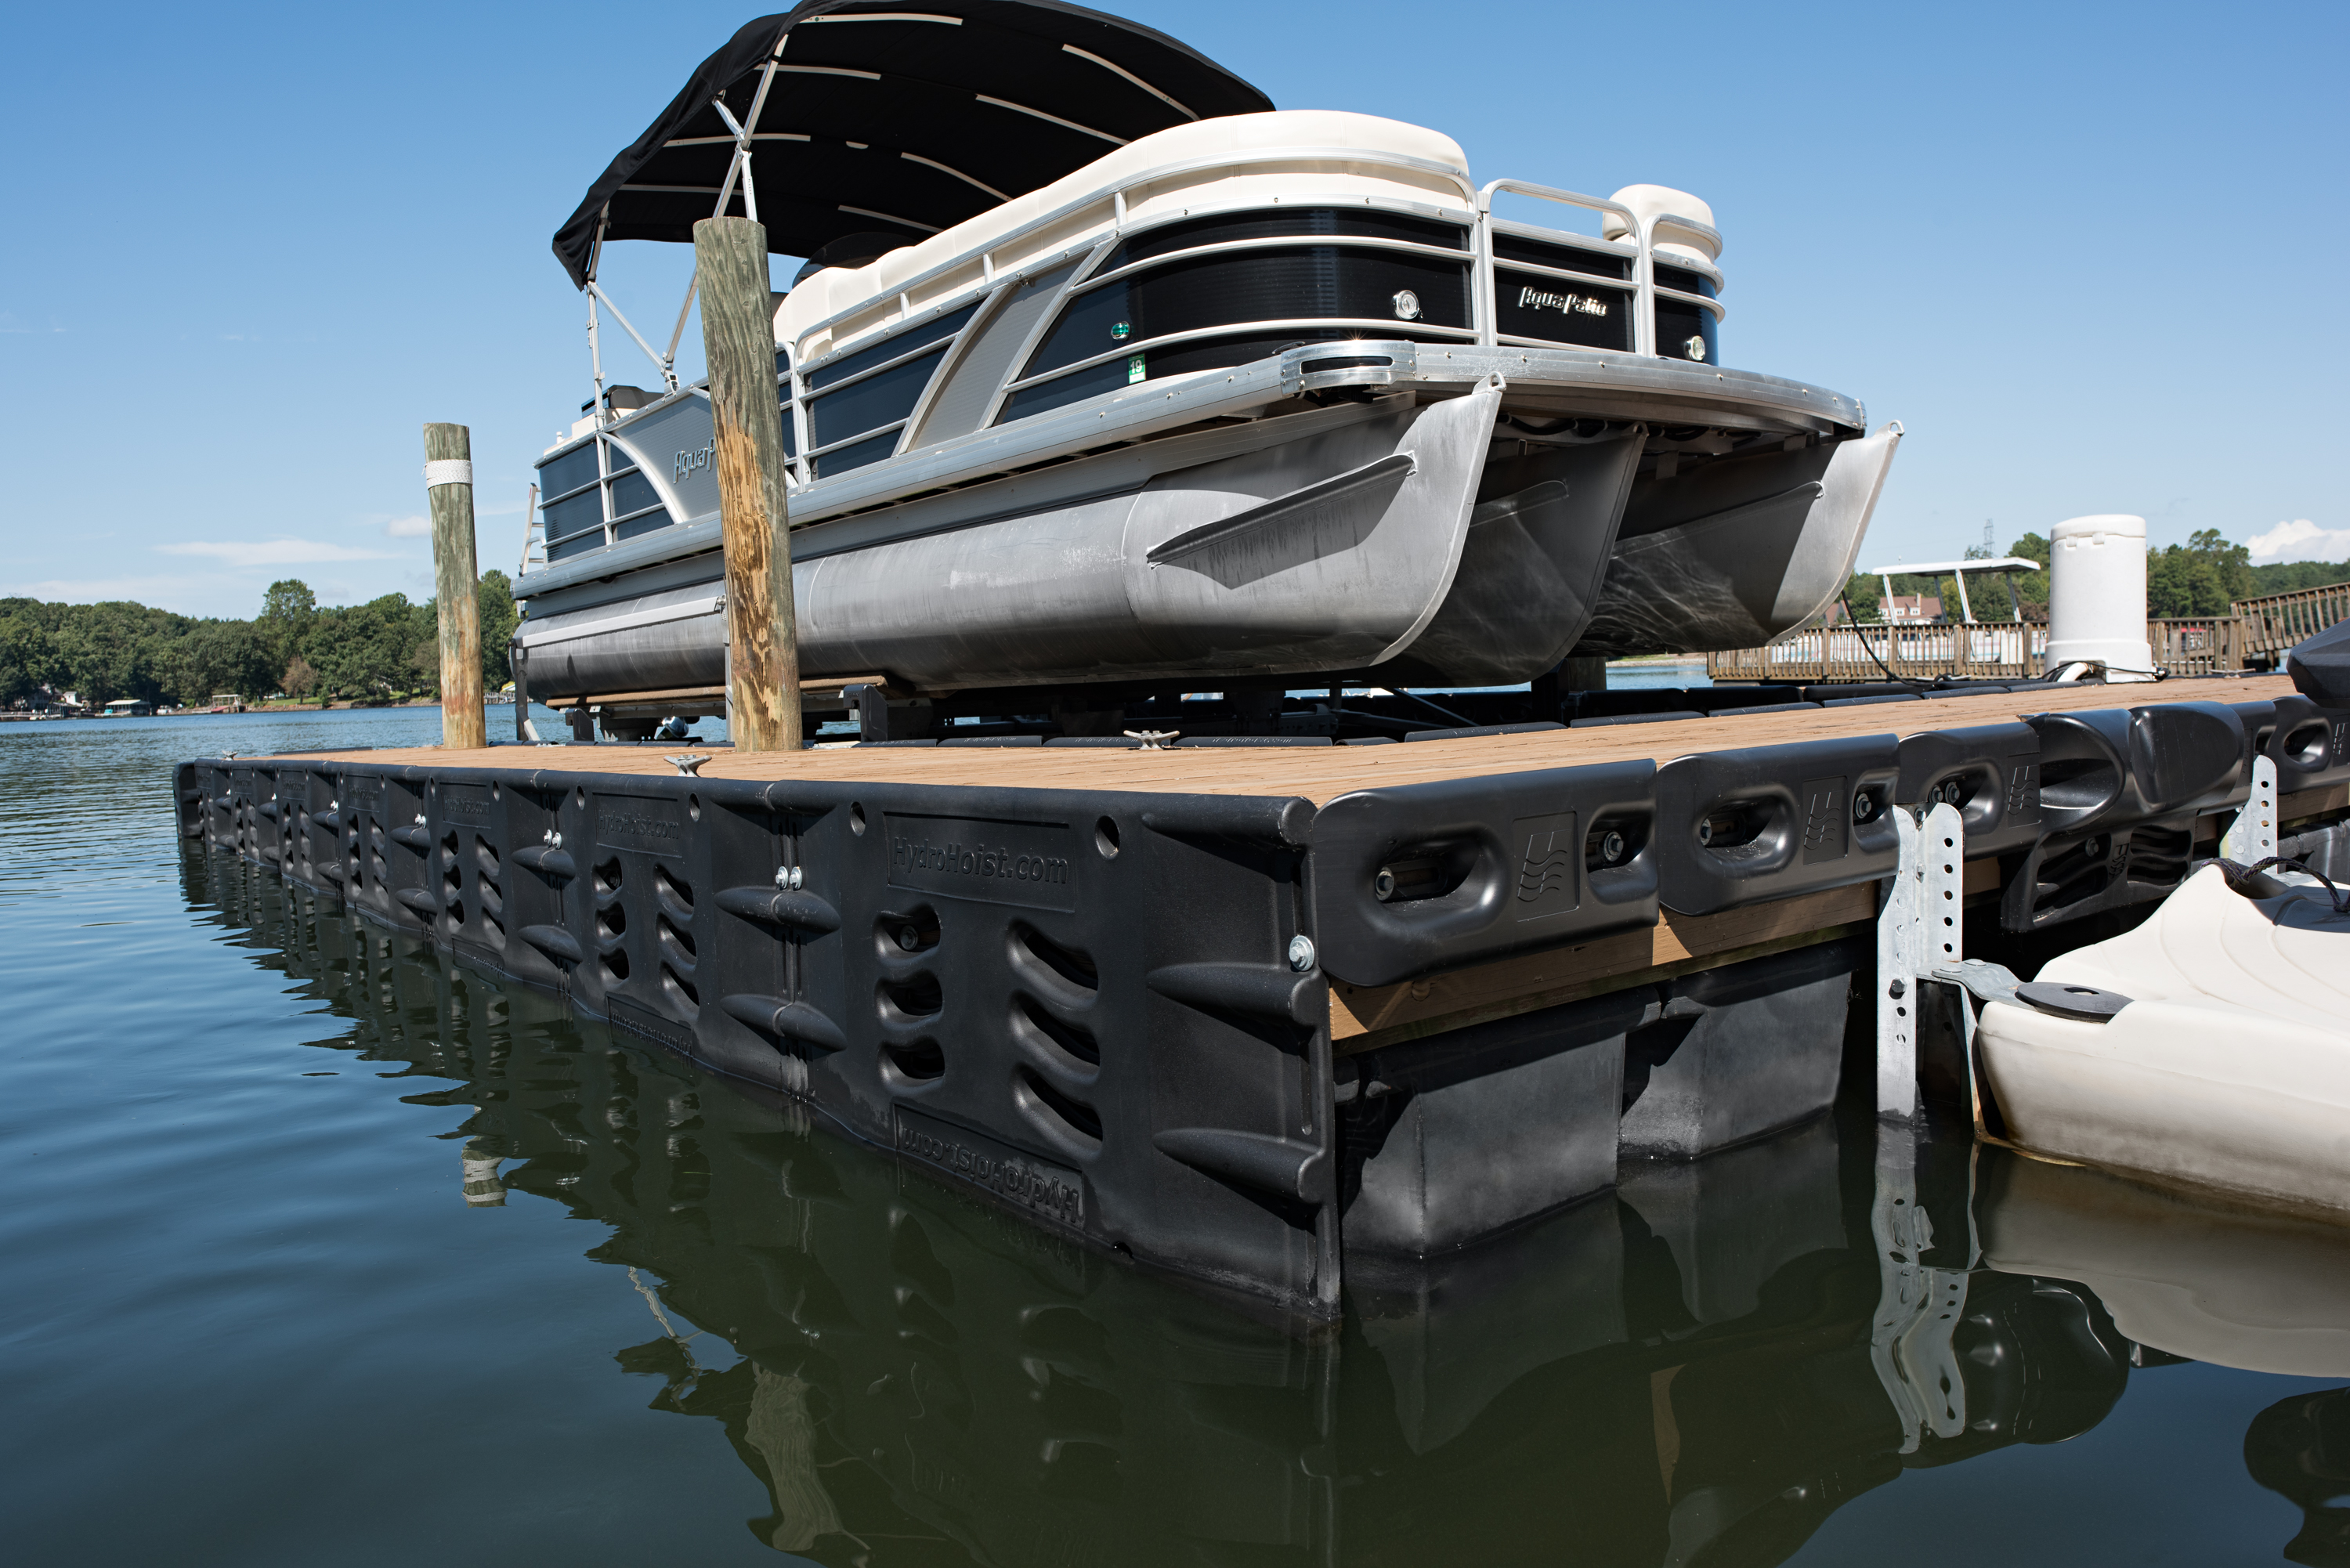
(738, 339)
(449, 491)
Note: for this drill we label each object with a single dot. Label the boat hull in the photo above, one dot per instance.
(1334, 551)
(2168, 1086)
(1742, 551)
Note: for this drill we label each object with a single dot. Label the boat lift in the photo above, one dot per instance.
(2006, 565)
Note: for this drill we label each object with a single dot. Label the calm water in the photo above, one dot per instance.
(320, 1250)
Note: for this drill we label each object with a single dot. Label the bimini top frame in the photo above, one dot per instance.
(876, 124)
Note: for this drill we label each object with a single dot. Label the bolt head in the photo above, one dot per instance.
(1705, 832)
(1301, 953)
(1611, 847)
(909, 937)
(1864, 807)
(1383, 886)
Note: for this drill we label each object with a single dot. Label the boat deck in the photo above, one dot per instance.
(1323, 773)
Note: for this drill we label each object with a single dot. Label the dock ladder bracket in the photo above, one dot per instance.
(1920, 927)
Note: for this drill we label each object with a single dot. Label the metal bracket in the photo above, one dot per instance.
(1920, 925)
(1919, 1307)
(2252, 836)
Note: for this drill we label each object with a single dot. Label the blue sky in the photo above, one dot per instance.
(2085, 255)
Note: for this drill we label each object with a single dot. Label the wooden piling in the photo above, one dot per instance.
(738, 339)
(449, 491)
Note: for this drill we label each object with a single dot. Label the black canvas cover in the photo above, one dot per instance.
(899, 116)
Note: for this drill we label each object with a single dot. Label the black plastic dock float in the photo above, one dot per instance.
(1245, 1014)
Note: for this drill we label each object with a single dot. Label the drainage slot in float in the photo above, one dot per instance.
(918, 1061)
(901, 1003)
(1068, 1121)
(679, 990)
(1072, 1047)
(676, 895)
(1043, 960)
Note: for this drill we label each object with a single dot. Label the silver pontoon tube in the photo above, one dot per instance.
(1331, 551)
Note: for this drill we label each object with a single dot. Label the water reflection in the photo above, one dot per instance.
(1700, 1370)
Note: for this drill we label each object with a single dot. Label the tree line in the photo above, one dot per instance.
(2204, 577)
(385, 649)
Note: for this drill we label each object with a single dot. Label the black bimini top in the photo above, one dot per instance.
(893, 120)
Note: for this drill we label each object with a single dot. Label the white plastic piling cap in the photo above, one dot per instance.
(1649, 202)
(2097, 594)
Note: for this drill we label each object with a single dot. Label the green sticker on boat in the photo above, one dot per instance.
(1133, 368)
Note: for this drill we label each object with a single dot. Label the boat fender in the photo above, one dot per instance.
(2083, 1001)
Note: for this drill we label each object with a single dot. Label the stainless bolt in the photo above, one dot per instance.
(555, 839)
(1705, 830)
(419, 819)
(1896, 989)
(909, 937)
(1383, 886)
(1301, 953)
(788, 876)
(1611, 847)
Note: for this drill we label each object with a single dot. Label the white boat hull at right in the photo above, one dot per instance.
(2228, 1067)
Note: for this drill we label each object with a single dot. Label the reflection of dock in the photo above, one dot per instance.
(1703, 1366)
(1221, 1007)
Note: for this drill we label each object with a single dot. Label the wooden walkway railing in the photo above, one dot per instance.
(2274, 623)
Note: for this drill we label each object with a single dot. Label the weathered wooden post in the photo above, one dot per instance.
(738, 340)
(449, 489)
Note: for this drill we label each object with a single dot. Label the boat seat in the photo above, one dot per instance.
(834, 290)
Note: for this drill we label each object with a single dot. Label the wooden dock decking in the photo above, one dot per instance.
(1321, 774)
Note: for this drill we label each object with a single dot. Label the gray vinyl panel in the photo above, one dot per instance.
(962, 403)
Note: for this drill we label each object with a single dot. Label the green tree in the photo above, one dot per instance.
(499, 617)
(28, 658)
(112, 651)
(2204, 577)
(362, 651)
(215, 656)
(288, 611)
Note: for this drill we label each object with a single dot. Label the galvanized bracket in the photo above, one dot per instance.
(1920, 925)
(2252, 836)
(1912, 1343)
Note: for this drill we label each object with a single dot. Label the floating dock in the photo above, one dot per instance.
(1258, 1014)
